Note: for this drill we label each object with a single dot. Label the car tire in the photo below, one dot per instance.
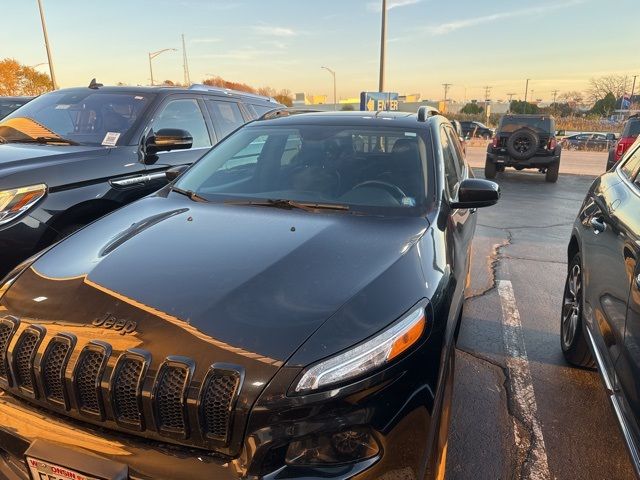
(489, 169)
(522, 144)
(572, 336)
(552, 172)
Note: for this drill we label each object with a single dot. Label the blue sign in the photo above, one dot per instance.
(376, 101)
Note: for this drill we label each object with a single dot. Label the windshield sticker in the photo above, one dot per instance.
(110, 139)
(62, 106)
(410, 134)
(408, 202)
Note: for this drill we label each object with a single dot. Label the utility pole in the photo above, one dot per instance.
(46, 44)
(510, 95)
(633, 89)
(526, 92)
(185, 64)
(555, 93)
(446, 92)
(383, 41)
(335, 97)
(487, 92)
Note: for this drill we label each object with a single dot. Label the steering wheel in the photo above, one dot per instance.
(394, 190)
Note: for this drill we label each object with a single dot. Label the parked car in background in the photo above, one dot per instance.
(285, 313)
(73, 155)
(629, 134)
(473, 129)
(524, 141)
(600, 320)
(589, 141)
(10, 104)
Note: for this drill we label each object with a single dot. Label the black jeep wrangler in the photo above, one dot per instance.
(524, 141)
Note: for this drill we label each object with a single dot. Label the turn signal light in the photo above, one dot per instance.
(494, 142)
(407, 339)
(552, 143)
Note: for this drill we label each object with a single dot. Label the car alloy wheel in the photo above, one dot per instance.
(571, 306)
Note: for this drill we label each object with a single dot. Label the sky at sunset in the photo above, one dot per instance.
(559, 44)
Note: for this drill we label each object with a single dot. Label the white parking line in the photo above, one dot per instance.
(521, 387)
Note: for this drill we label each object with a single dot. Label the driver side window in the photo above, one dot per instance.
(451, 173)
(186, 115)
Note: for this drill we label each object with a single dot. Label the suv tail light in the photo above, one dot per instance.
(553, 143)
(623, 145)
(495, 141)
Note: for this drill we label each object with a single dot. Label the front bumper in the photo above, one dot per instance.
(398, 410)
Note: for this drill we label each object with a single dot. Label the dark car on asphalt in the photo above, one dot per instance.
(10, 104)
(589, 141)
(630, 132)
(472, 129)
(286, 308)
(600, 322)
(71, 156)
(524, 141)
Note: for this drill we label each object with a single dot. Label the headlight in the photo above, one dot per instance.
(367, 356)
(15, 202)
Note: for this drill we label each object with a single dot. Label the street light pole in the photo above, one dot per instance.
(633, 89)
(46, 44)
(153, 55)
(526, 92)
(383, 41)
(335, 98)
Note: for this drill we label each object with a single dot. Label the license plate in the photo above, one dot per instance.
(49, 471)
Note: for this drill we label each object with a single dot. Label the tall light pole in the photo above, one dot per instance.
(46, 44)
(526, 92)
(383, 41)
(153, 55)
(633, 89)
(335, 98)
(185, 64)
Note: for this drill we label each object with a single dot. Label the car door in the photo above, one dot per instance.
(628, 364)
(460, 224)
(607, 250)
(186, 113)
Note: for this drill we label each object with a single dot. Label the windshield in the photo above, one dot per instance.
(7, 106)
(511, 124)
(363, 168)
(84, 117)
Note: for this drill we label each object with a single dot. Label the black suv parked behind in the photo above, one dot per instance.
(524, 141)
(73, 155)
(476, 129)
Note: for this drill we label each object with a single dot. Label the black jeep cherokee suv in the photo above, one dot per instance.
(524, 141)
(73, 155)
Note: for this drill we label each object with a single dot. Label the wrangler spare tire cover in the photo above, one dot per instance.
(522, 144)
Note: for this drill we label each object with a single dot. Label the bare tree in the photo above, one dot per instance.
(572, 96)
(615, 84)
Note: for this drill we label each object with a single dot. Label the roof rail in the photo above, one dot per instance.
(227, 91)
(286, 112)
(426, 111)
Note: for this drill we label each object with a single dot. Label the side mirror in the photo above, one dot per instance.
(476, 193)
(168, 139)
(175, 172)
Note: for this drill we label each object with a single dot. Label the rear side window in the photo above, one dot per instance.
(261, 109)
(631, 165)
(631, 128)
(226, 116)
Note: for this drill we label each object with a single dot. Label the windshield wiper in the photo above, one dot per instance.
(289, 204)
(189, 193)
(46, 141)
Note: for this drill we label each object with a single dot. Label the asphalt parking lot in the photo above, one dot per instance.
(519, 410)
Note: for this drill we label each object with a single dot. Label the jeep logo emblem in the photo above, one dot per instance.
(119, 324)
